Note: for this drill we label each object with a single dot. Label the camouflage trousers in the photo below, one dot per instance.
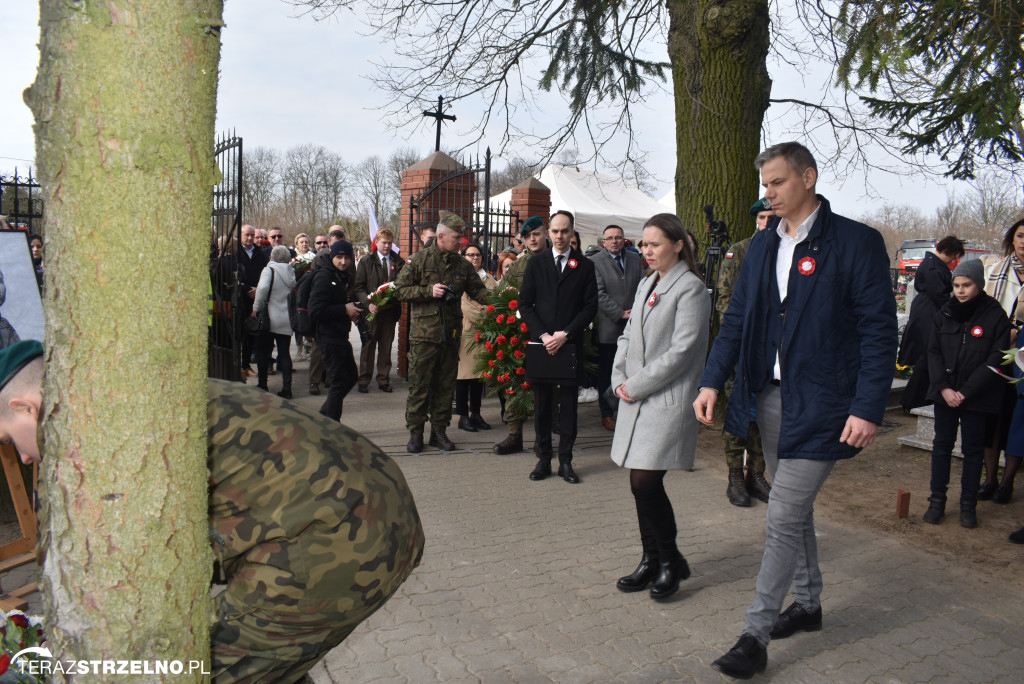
(735, 446)
(432, 369)
(256, 640)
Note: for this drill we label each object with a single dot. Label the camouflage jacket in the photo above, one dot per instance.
(432, 320)
(514, 275)
(308, 500)
(729, 273)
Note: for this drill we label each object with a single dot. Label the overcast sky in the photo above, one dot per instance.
(287, 81)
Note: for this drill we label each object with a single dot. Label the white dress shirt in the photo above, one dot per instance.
(784, 262)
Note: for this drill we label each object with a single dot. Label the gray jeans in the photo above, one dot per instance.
(790, 549)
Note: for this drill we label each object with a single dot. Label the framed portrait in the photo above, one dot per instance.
(21, 308)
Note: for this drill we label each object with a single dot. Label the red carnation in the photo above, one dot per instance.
(514, 341)
(513, 305)
(5, 662)
(500, 355)
(488, 375)
(523, 328)
(19, 620)
(478, 337)
(490, 309)
(501, 339)
(526, 385)
(489, 346)
(518, 353)
(491, 363)
(510, 391)
(520, 371)
(500, 318)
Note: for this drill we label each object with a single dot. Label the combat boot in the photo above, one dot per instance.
(512, 444)
(757, 486)
(737, 489)
(936, 508)
(415, 444)
(440, 440)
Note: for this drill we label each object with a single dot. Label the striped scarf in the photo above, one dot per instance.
(999, 280)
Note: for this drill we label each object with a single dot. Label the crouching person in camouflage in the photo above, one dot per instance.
(314, 526)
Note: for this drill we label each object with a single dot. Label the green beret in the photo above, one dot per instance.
(450, 220)
(531, 224)
(760, 205)
(16, 357)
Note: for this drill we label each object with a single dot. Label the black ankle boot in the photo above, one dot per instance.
(670, 573)
(640, 578)
(936, 508)
(968, 514)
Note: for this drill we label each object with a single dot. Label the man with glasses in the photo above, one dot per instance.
(373, 271)
(276, 237)
(320, 242)
(618, 272)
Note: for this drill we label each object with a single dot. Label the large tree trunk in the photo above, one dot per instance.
(718, 50)
(124, 103)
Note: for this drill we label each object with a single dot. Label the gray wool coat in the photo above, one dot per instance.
(660, 357)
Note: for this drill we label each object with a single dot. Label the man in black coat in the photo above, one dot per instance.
(558, 301)
(251, 262)
(332, 309)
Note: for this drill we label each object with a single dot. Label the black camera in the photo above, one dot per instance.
(449, 296)
(361, 325)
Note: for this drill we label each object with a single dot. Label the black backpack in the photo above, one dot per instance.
(298, 301)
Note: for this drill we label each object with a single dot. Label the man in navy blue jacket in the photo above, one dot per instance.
(812, 324)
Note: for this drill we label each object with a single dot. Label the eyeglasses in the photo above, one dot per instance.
(474, 256)
(276, 237)
(321, 242)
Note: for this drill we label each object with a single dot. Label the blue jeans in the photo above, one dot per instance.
(790, 548)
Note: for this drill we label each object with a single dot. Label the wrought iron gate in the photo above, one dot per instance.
(226, 332)
(21, 201)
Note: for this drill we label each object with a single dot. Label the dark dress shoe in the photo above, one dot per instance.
(1002, 495)
(385, 388)
(314, 388)
(986, 491)
(743, 660)
(670, 574)
(542, 470)
(512, 444)
(285, 394)
(415, 444)
(794, 619)
(479, 422)
(609, 423)
(441, 441)
(364, 389)
(641, 577)
(1017, 537)
(566, 472)
(465, 423)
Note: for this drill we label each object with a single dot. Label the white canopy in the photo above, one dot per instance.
(596, 200)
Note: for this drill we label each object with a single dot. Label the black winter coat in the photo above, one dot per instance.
(959, 352)
(933, 284)
(328, 295)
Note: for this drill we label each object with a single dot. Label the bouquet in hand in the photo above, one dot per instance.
(382, 298)
(302, 262)
(501, 336)
(18, 633)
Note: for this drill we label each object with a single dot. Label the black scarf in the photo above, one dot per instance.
(964, 311)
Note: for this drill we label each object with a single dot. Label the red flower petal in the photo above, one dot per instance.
(523, 328)
(513, 305)
(500, 318)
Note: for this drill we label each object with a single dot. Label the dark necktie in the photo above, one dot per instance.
(618, 260)
(558, 262)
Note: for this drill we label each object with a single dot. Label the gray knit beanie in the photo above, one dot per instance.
(972, 269)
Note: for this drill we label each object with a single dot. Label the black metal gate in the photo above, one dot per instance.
(466, 191)
(21, 202)
(226, 331)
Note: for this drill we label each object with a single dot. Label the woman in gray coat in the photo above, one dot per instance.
(658, 364)
(276, 280)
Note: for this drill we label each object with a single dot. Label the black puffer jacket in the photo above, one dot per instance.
(960, 350)
(330, 292)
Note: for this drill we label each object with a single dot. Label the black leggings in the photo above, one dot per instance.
(654, 512)
(468, 395)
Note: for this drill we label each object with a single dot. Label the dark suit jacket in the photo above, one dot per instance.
(550, 302)
(252, 267)
(370, 275)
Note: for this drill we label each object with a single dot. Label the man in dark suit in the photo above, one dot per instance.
(558, 301)
(251, 261)
(618, 273)
(373, 271)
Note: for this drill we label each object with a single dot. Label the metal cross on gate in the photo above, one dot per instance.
(440, 116)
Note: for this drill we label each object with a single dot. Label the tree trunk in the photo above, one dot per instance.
(718, 49)
(124, 102)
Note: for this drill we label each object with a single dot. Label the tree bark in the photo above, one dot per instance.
(718, 50)
(125, 102)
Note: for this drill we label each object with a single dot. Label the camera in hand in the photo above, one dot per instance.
(449, 296)
(361, 325)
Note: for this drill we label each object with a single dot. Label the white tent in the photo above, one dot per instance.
(596, 200)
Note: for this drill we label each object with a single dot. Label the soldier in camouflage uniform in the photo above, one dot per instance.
(534, 235)
(314, 526)
(740, 489)
(435, 329)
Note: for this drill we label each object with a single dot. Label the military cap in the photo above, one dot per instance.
(450, 220)
(531, 224)
(16, 357)
(760, 205)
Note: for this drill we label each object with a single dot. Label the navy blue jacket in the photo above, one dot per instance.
(837, 339)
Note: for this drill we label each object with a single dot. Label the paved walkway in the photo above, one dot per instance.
(517, 582)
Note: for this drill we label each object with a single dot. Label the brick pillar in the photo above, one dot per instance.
(456, 195)
(531, 198)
